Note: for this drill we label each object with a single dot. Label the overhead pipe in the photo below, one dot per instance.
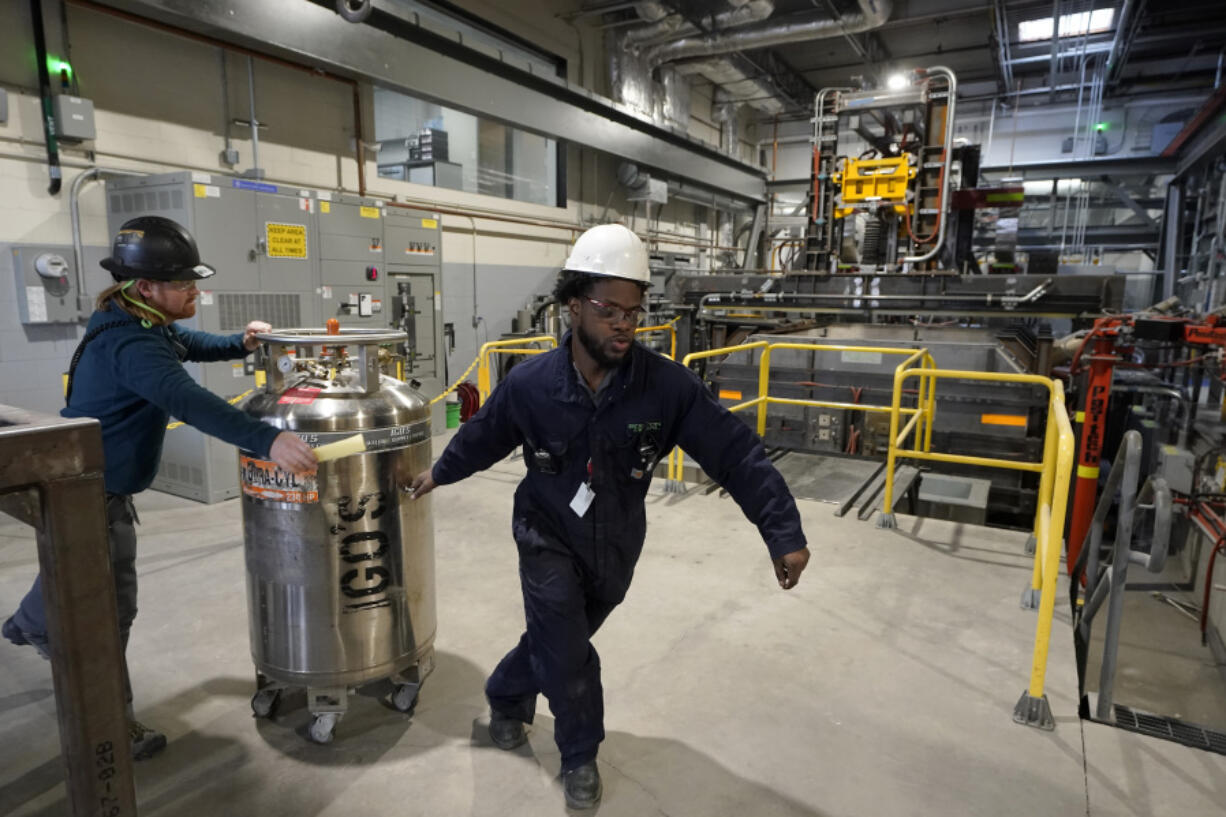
(1122, 23)
(84, 307)
(872, 14)
(44, 95)
(943, 193)
(674, 26)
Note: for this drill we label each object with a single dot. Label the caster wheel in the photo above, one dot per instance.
(405, 697)
(323, 726)
(264, 703)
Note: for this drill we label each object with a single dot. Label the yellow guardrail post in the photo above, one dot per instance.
(484, 386)
(1033, 708)
(664, 327)
(886, 520)
(930, 364)
(764, 378)
(1031, 596)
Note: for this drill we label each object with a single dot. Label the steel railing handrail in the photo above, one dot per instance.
(1033, 708)
(676, 459)
(1108, 582)
(670, 328)
(1055, 472)
(505, 347)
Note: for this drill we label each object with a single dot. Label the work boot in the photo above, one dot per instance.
(582, 786)
(146, 742)
(506, 732)
(17, 636)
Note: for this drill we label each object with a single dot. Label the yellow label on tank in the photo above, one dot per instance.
(369, 212)
(199, 190)
(430, 223)
(325, 207)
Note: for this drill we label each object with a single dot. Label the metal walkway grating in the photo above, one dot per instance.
(1160, 726)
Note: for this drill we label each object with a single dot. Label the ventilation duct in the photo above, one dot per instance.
(672, 26)
(872, 14)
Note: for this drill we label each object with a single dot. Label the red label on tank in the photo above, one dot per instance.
(300, 395)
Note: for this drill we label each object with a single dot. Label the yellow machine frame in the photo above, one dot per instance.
(874, 181)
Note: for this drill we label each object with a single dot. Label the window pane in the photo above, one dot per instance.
(425, 143)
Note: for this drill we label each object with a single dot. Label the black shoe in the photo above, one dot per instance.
(146, 742)
(507, 733)
(582, 786)
(17, 636)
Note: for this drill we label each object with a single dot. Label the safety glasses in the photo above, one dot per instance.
(612, 313)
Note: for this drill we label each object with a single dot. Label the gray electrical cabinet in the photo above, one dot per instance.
(46, 284)
(285, 255)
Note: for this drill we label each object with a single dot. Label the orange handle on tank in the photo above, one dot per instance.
(333, 326)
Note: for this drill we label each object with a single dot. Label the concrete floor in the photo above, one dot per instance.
(882, 685)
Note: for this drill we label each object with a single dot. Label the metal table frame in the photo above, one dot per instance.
(51, 478)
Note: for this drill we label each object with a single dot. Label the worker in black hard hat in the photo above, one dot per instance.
(128, 373)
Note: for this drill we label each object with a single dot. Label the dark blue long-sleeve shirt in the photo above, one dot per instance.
(132, 380)
(651, 405)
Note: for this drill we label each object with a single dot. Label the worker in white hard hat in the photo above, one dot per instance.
(594, 417)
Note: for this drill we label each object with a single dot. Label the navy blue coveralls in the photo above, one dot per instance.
(575, 569)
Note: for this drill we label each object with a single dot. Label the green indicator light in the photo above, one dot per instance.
(1101, 126)
(57, 66)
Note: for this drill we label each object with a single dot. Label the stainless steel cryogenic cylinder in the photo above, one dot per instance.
(340, 566)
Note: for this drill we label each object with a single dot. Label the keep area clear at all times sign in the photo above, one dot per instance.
(285, 240)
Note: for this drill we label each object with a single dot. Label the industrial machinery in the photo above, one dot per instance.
(340, 566)
(897, 187)
(290, 257)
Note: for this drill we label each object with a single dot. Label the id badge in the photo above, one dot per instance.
(582, 499)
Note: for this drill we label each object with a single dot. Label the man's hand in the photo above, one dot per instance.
(789, 566)
(292, 454)
(249, 334)
(421, 485)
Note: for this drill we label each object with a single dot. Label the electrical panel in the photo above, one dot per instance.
(828, 430)
(285, 255)
(74, 118)
(46, 284)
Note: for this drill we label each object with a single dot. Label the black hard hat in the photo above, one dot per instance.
(157, 249)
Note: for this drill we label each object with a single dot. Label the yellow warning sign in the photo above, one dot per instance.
(200, 191)
(286, 240)
(369, 212)
(429, 223)
(325, 206)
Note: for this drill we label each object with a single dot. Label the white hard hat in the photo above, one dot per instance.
(612, 250)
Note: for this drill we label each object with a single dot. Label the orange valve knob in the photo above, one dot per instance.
(333, 326)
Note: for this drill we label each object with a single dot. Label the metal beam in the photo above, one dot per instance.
(1121, 237)
(1129, 202)
(448, 73)
(1067, 169)
(1204, 137)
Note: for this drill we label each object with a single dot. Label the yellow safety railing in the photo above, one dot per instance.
(676, 462)
(505, 347)
(1033, 709)
(664, 327)
(1055, 470)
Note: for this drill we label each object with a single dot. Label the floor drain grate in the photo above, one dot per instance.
(1160, 726)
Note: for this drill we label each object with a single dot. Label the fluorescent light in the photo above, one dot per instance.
(1071, 25)
(896, 82)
